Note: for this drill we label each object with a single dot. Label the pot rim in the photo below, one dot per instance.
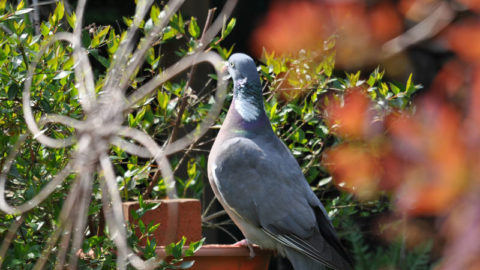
(222, 250)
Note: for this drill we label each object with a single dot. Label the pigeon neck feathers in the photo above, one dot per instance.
(246, 116)
(248, 100)
(247, 89)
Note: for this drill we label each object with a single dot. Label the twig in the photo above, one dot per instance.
(214, 215)
(440, 18)
(152, 184)
(36, 16)
(156, 176)
(210, 204)
(8, 238)
(183, 105)
(213, 225)
(184, 97)
(353, 204)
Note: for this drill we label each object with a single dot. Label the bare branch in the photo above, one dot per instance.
(9, 236)
(139, 55)
(441, 17)
(183, 99)
(120, 58)
(214, 216)
(131, 148)
(114, 217)
(103, 126)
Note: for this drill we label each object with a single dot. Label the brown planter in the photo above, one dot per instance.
(177, 218)
(182, 217)
(226, 257)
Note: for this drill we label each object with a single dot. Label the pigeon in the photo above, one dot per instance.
(261, 186)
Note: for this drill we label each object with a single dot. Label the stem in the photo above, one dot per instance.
(184, 98)
(181, 110)
(8, 238)
(214, 215)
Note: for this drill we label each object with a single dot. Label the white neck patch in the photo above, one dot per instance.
(247, 110)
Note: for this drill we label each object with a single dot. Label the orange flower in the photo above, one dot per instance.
(350, 119)
(290, 27)
(354, 169)
(450, 79)
(433, 153)
(354, 43)
(385, 22)
(464, 38)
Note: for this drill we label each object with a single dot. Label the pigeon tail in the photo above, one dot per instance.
(302, 262)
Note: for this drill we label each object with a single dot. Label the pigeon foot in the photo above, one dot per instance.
(246, 243)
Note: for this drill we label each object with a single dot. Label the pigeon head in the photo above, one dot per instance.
(247, 89)
(243, 70)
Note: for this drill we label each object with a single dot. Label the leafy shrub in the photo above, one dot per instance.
(54, 91)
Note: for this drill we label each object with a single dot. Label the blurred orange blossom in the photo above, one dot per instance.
(292, 26)
(429, 159)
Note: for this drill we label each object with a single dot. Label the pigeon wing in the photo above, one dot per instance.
(263, 184)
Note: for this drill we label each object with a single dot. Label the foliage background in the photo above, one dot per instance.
(314, 106)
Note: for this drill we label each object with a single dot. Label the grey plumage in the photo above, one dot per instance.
(261, 185)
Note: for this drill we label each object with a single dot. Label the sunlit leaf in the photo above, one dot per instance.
(193, 28)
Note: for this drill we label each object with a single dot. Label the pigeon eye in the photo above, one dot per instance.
(232, 64)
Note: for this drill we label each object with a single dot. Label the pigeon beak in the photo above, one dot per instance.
(225, 69)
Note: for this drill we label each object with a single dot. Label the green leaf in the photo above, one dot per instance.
(353, 78)
(113, 41)
(169, 32)
(71, 19)
(150, 57)
(394, 88)
(141, 226)
(324, 181)
(20, 5)
(59, 11)
(13, 91)
(177, 23)
(178, 248)
(23, 11)
(409, 82)
(193, 28)
(104, 61)
(383, 89)
(44, 29)
(140, 114)
(195, 246)
(153, 228)
(410, 88)
(187, 264)
(371, 80)
(155, 14)
(140, 201)
(228, 29)
(273, 110)
(62, 74)
(329, 64)
(99, 37)
(163, 99)
(3, 3)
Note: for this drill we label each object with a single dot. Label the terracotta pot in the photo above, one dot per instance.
(177, 218)
(226, 257)
(182, 217)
